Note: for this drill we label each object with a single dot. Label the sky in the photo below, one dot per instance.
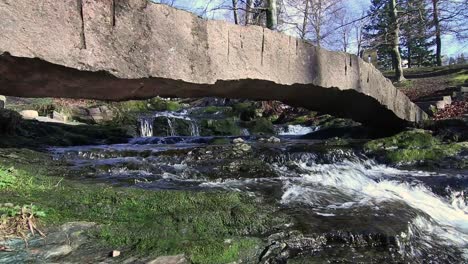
(450, 45)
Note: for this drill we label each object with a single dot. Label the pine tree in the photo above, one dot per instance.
(416, 35)
(377, 33)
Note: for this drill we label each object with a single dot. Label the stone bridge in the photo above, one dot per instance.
(134, 49)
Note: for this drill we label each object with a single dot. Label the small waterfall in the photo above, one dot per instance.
(171, 128)
(245, 132)
(146, 127)
(194, 129)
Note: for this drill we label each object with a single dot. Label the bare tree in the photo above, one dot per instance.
(235, 12)
(345, 27)
(248, 12)
(395, 32)
(449, 17)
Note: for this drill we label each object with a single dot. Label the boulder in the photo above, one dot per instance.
(178, 259)
(29, 114)
(59, 117)
(100, 114)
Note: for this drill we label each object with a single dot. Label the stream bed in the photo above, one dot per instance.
(346, 207)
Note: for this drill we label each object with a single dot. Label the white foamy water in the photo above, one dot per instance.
(146, 123)
(367, 184)
(296, 130)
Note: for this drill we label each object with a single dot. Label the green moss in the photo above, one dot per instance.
(149, 223)
(406, 84)
(460, 78)
(39, 134)
(300, 120)
(158, 104)
(38, 104)
(260, 126)
(216, 109)
(224, 127)
(246, 110)
(7, 178)
(412, 146)
(243, 249)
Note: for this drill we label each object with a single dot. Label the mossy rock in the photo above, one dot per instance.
(414, 146)
(246, 111)
(224, 127)
(181, 127)
(158, 104)
(328, 121)
(35, 134)
(260, 126)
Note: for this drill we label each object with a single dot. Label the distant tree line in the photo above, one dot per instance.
(409, 30)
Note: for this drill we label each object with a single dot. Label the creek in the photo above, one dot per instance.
(347, 206)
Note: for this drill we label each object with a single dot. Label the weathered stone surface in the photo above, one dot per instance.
(118, 50)
(178, 259)
(59, 116)
(29, 114)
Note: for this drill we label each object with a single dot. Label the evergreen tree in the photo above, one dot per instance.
(416, 35)
(377, 32)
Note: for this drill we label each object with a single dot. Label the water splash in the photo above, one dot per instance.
(146, 126)
(295, 130)
(351, 184)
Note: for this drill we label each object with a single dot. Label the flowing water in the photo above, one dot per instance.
(354, 209)
(146, 123)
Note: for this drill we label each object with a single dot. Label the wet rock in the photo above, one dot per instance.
(58, 251)
(59, 243)
(29, 114)
(165, 126)
(274, 140)
(2, 101)
(238, 141)
(224, 127)
(9, 121)
(260, 126)
(288, 244)
(178, 259)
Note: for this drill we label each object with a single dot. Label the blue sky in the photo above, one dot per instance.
(450, 45)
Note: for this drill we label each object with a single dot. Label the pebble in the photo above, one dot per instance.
(274, 140)
(115, 253)
(238, 141)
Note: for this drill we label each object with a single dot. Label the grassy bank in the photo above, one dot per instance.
(209, 227)
(417, 146)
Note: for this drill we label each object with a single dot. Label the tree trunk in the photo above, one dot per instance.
(248, 12)
(304, 22)
(409, 53)
(438, 39)
(272, 15)
(395, 27)
(235, 13)
(345, 42)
